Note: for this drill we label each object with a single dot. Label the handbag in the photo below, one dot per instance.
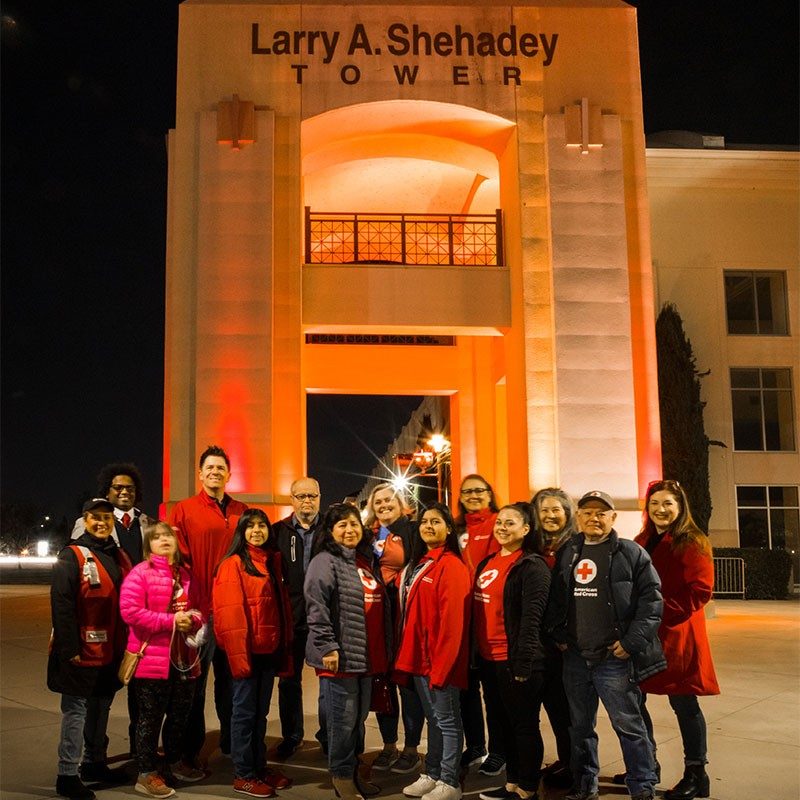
(129, 663)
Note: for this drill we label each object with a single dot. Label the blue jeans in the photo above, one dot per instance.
(610, 681)
(413, 720)
(251, 698)
(83, 728)
(442, 709)
(346, 704)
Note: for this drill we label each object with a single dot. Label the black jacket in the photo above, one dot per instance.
(635, 591)
(524, 602)
(290, 543)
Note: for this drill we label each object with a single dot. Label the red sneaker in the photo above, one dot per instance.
(253, 787)
(275, 778)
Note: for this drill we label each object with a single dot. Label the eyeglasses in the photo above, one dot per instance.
(305, 496)
(119, 488)
(474, 491)
(592, 513)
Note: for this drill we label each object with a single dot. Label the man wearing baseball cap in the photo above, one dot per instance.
(87, 644)
(604, 612)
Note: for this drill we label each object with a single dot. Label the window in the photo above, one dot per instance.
(769, 517)
(763, 409)
(756, 302)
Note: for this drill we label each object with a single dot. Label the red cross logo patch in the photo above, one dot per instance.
(367, 580)
(585, 571)
(487, 577)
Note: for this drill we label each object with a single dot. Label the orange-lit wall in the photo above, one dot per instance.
(240, 298)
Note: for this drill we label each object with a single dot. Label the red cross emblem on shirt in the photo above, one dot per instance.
(585, 571)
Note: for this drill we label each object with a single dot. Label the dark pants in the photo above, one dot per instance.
(692, 725)
(155, 698)
(413, 719)
(346, 703)
(195, 734)
(290, 692)
(516, 704)
(251, 698)
(472, 717)
(554, 700)
(133, 715)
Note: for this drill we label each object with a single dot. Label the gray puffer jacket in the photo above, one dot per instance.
(335, 611)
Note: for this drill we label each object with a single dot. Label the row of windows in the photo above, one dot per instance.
(763, 409)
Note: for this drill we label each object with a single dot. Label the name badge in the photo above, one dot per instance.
(95, 637)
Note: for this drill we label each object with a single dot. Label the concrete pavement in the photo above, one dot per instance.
(753, 726)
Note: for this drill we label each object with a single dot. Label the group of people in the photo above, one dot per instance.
(470, 624)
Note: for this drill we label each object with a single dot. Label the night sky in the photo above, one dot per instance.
(88, 94)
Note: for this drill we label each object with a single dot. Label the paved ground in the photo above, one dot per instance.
(754, 725)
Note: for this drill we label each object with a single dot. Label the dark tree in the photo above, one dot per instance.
(684, 444)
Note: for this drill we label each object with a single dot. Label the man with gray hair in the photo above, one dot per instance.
(295, 536)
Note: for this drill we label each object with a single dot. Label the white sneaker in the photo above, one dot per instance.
(443, 791)
(421, 786)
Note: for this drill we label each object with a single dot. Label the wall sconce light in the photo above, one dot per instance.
(583, 125)
(236, 122)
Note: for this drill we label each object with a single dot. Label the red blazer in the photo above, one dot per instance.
(687, 580)
(435, 617)
(253, 614)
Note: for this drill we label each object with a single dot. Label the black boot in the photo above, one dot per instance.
(619, 778)
(73, 787)
(364, 786)
(694, 783)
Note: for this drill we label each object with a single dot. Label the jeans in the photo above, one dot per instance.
(346, 704)
(83, 727)
(290, 693)
(610, 681)
(692, 725)
(413, 719)
(251, 699)
(442, 709)
(155, 698)
(195, 734)
(521, 703)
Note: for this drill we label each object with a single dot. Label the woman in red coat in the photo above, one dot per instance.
(253, 625)
(681, 555)
(433, 651)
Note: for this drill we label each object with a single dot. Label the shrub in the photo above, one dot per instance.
(766, 572)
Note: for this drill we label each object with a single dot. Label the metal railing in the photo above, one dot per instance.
(729, 577)
(445, 239)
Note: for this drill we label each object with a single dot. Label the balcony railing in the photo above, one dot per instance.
(447, 239)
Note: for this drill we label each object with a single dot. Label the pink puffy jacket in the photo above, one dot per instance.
(145, 596)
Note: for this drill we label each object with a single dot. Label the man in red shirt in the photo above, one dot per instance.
(205, 524)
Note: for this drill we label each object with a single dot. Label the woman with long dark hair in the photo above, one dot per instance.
(477, 510)
(433, 651)
(389, 520)
(348, 636)
(681, 555)
(509, 601)
(253, 625)
(554, 522)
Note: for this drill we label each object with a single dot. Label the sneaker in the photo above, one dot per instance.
(443, 791)
(286, 748)
(185, 772)
(253, 787)
(73, 787)
(579, 794)
(500, 793)
(420, 787)
(153, 785)
(492, 765)
(408, 762)
(275, 778)
(385, 759)
(472, 756)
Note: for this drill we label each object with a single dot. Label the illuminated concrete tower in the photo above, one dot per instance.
(470, 175)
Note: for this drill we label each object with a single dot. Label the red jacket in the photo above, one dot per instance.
(435, 609)
(687, 580)
(253, 614)
(204, 536)
(477, 541)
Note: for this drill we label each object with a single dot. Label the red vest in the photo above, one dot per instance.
(102, 631)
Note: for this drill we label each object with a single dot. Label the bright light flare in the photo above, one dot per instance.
(400, 483)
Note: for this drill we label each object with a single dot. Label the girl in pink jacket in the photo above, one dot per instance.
(154, 603)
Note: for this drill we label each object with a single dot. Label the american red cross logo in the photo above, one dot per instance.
(585, 571)
(486, 578)
(367, 580)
